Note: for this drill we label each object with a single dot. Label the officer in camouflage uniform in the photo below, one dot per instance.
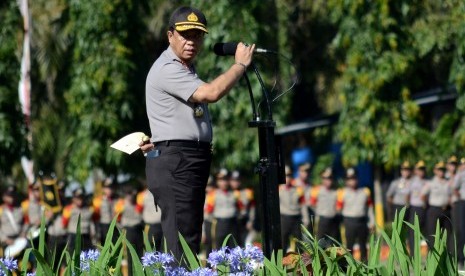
(224, 206)
(292, 205)
(398, 192)
(323, 199)
(437, 193)
(356, 207)
(417, 206)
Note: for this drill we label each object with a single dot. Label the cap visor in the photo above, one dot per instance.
(182, 28)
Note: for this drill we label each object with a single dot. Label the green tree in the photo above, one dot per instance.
(12, 125)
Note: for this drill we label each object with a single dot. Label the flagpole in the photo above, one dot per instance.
(24, 88)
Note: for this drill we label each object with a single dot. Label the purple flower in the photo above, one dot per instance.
(245, 260)
(177, 271)
(31, 274)
(203, 272)
(87, 257)
(157, 259)
(9, 263)
(218, 257)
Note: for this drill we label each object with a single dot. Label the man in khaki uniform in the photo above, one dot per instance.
(417, 206)
(292, 206)
(356, 207)
(11, 218)
(244, 218)
(71, 213)
(224, 206)
(398, 192)
(323, 199)
(437, 193)
(105, 211)
(151, 217)
(459, 191)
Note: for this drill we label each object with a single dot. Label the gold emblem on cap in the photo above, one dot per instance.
(192, 17)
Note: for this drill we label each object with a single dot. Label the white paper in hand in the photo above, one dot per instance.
(129, 143)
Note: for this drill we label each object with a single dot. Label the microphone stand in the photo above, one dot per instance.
(269, 168)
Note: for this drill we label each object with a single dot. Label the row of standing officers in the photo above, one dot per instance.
(230, 209)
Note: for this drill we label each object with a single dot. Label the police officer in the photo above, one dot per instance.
(57, 234)
(356, 207)
(292, 205)
(417, 206)
(104, 208)
(11, 218)
(224, 205)
(323, 198)
(151, 216)
(71, 213)
(207, 235)
(459, 190)
(131, 221)
(398, 192)
(455, 216)
(245, 195)
(302, 180)
(181, 127)
(437, 194)
(33, 209)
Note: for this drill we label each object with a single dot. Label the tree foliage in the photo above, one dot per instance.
(364, 59)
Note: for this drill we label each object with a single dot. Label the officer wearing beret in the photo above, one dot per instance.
(179, 158)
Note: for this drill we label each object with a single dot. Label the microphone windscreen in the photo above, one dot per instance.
(225, 49)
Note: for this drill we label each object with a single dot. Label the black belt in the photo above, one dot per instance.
(184, 144)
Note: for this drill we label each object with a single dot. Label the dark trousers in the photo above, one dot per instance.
(224, 227)
(86, 243)
(396, 209)
(420, 212)
(441, 215)
(103, 231)
(208, 242)
(357, 230)
(134, 235)
(155, 235)
(241, 230)
(290, 227)
(56, 245)
(328, 226)
(460, 232)
(177, 179)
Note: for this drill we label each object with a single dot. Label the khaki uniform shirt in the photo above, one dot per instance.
(399, 191)
(438, 192)
(222, 204)
(291, 199)
(11, 222)
(71, 215)
(324, 201)
(150, 214)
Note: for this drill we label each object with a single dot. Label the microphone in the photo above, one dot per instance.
(229, 49)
